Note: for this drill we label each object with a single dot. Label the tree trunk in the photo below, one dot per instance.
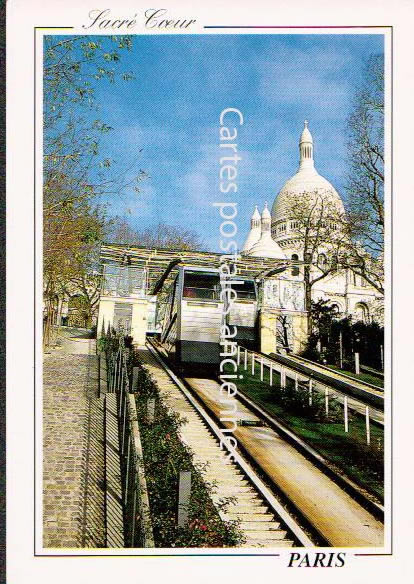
(308, 298)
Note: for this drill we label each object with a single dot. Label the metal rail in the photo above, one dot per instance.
(248, 471)
(344, 388)
(331, 372)
(347, 486)
(343, 481)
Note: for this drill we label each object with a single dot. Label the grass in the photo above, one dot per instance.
(349, 452)
(364, 377)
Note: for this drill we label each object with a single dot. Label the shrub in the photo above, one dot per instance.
(164, 457)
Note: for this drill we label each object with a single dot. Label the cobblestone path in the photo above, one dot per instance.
(73, 452)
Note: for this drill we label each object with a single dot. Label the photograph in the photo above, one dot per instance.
(215, 345)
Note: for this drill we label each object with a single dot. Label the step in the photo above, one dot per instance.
(266, 543)
(265, 534)
(259, 525)
(249, 509)
(232, 516)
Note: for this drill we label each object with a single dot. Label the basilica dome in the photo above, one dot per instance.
(306, 180)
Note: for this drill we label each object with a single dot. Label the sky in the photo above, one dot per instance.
(166, 121)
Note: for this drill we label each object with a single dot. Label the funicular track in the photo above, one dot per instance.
(360, 395)
(263, 520)
(328, 512)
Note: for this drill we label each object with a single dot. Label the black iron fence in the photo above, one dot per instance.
(137, 521)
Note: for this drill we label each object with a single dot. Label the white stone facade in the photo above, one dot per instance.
(350, 293)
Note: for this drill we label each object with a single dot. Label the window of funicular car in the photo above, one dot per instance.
(245, 290)
(201, 285)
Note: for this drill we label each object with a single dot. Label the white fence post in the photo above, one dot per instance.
(346, 413)
(357, 363)
(341, 363)
(238, 355)
(252, 363)
(327, 401)
(296, 382)
(245, 359)
(271, 375)
(382, 357)
(261, 369)
(282, 377)
(367, 425)
(310, 391)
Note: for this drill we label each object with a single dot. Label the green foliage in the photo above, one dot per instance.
(164, 457)
(365, 338)
(72, 64)
(76, 175)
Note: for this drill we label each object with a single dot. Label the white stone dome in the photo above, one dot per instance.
(306, 180)
(266, 246)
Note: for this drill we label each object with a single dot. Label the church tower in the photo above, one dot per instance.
(255, 231)
(266, 247)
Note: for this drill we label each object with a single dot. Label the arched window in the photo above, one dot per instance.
(362, 312)
(295, 269)
(335, 310)
(322, 261)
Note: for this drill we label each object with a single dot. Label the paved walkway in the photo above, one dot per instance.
(73, 452)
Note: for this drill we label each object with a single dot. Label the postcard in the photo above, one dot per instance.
(200, 208)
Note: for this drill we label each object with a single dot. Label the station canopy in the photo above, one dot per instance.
(157, 264)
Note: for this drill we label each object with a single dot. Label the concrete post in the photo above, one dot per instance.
(245, 359)
(326, 401)
(184, 493)
(267, 331)
(300, 331)
(271, 375)
(261, 369)
(357, 363)
(139, 321)
(105, 314)
(151, 410)
(134, 385)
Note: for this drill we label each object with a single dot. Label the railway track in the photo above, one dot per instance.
(359, 395)
(318, 503)
(262, 519)
(334, 374)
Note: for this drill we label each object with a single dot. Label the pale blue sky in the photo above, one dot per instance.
(171, 111)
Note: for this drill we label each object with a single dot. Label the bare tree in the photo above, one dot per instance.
(365, 180)
(159, 235)
(318, 232)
